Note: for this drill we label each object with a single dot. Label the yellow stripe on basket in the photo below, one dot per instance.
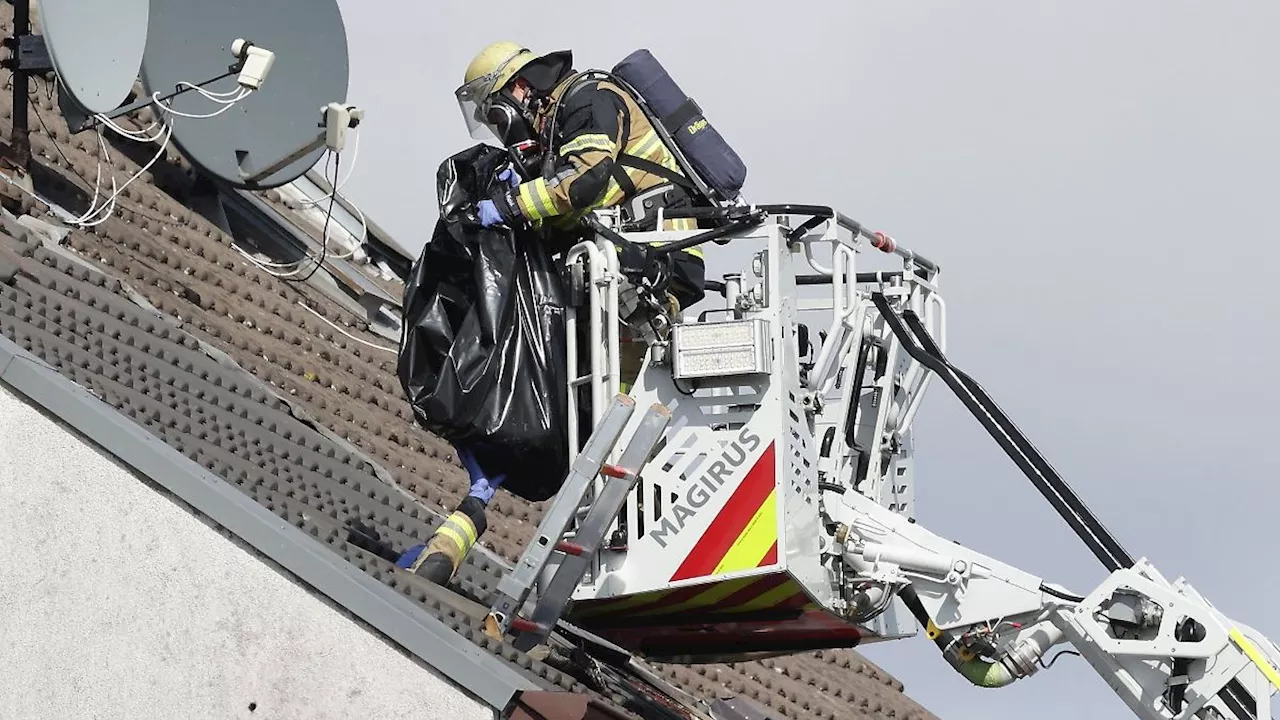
(712, 595)
(754, 542)
(769, 599)
(596, 608)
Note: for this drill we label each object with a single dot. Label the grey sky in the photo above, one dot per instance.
(1097, 180)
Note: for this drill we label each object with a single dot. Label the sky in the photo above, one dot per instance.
(1097, 181)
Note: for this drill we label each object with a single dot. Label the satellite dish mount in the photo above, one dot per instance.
(335, 119)
(27, 56)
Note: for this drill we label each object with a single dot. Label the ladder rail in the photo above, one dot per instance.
(575, 495)
(601, 277)
(516, 585)
(590, 536)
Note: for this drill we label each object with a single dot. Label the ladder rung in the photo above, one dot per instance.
(614, 471)
(521, 625)
(570, 548)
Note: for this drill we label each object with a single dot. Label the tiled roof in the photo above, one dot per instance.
(163, 318)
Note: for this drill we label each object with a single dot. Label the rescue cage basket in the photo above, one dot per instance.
(595, 377)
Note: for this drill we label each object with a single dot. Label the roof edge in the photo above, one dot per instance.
(479, 673)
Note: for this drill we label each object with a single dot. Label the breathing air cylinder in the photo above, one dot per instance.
(712, 158)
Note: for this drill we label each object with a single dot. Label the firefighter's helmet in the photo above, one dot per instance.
(490, 70)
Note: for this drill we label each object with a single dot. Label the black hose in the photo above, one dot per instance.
(1061, 595)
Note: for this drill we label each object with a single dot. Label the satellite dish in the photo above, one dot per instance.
(274, 135)
(95, 47)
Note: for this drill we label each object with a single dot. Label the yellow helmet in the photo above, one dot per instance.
(498, 61)
(488, 72)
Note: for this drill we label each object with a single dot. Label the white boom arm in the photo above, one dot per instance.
(1161, 646)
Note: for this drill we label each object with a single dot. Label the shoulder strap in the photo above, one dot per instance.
(549, 131)
(654, 168)
(624, 159)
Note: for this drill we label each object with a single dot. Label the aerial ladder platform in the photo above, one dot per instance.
(763, 502)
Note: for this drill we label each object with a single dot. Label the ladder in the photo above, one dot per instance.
(574, 556)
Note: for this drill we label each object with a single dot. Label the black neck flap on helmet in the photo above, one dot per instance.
(513, 121)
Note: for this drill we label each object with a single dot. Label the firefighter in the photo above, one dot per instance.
(578, 144)
(584, 144)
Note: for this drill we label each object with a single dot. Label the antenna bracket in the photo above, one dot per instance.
(28, 54)
(336, 119)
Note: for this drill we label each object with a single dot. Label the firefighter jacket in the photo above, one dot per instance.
(602, 150)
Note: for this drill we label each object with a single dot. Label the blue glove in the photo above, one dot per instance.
(489, 215)
(482, 487)
(510, 176)
(408, 556)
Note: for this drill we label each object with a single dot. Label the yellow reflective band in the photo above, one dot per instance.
(528, 205)
(1256, 656)
(463, 523)
(592, 141)
(612, 194)
(463, 545)
(646, 145)
(544, 197)
(535, 200)
(654, 150)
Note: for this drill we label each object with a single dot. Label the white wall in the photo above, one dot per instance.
(116, 602)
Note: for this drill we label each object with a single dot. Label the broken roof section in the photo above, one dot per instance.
(286, 392)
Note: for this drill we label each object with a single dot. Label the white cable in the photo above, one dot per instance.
(355, 156)
(302, 265)
(164, 146)
(109, 205)
(307, 257)
(335, 326)
(139, 135)
(97, 178)
(226, 105)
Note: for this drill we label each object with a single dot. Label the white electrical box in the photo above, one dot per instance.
(720, 349)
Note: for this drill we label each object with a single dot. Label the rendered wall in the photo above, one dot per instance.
(117, 602)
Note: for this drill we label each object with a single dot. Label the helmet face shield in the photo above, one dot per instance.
(475, 99)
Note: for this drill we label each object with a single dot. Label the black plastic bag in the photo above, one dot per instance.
(482, 352)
